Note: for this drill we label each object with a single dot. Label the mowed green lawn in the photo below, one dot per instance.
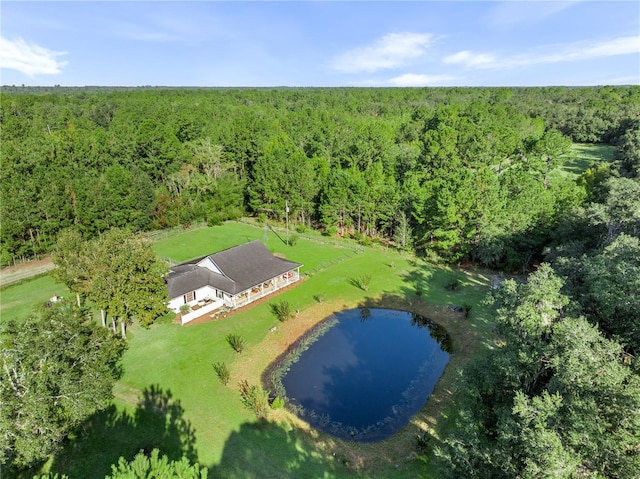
(585, 155)
(169, 396)
(18, 300)
(201, 241)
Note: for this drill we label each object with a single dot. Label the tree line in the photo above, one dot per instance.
(559, 397)
(461, 173)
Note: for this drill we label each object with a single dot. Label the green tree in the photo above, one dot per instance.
(556, 400)
(73, 267)
(628, 152)
(58, 368)
(127, 278)
(402, 231)
(337, 202)
(157, 148)
(226, 201)
(284, 173)
(600, 417)
(209, 158)
(610, 285)
(620, 212)
(547, 151)
(143, 467)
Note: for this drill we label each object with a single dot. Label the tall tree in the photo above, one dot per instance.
(73, 267)
(545, 153)
(607, 284)
(620, 211)
(283, 173)
(628, 152)
(57, 370)
(128, 278)
(557, 400)
(209, 158)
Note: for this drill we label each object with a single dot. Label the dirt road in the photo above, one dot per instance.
(13, 274)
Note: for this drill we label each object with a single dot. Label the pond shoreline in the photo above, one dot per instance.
(405, 405)
(401, 447)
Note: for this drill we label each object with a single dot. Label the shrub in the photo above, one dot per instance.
(223, 373)
(236, 342)
(293, 239)
(467, 309)
(330, 231)
(215, 219)
(254, 398)
(283, 310)
(278, 403)
(362, 282)
(423, 442)
(319, 298)
(185, 308)
(362, 239)
(453, 284)
(301, 228)
(5, 258)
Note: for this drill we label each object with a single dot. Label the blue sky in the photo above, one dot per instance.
(323, 43)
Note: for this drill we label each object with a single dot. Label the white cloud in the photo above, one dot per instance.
(629, 80)
(416, 79)
(618, 46)
(29, 59)
(514, 14)
(159, 37)
(390, 51)
(471, 59)
(574, 52)
(168, 24)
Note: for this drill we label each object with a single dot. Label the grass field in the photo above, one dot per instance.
(585, 156)
(19, 299)
(170, 397)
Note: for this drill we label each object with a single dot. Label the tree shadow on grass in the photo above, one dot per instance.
(156, 422)
(461, 310)
(269, 450)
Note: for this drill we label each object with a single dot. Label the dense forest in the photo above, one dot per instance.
(456, 174)
(453, 172)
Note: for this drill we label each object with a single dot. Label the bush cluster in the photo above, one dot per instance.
(254, 398)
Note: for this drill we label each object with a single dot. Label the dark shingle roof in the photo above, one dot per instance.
(243, 267)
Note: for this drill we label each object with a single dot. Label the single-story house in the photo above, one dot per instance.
(230, 278)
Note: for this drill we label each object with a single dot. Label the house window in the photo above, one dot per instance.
(189, 297)
(219, 294)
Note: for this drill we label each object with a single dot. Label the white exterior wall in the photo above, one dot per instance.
(201, 293)
(175, 303)
(207, 263)
(185, 318)
(241, 299)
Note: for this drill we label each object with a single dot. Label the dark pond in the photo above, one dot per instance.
(368, 374)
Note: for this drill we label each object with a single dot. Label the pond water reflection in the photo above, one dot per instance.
(368, 374)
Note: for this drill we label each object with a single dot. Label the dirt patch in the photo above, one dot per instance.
(402, 446)
(127, 394)
(20, 271)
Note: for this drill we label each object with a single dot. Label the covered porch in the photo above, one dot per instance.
(266, 288)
